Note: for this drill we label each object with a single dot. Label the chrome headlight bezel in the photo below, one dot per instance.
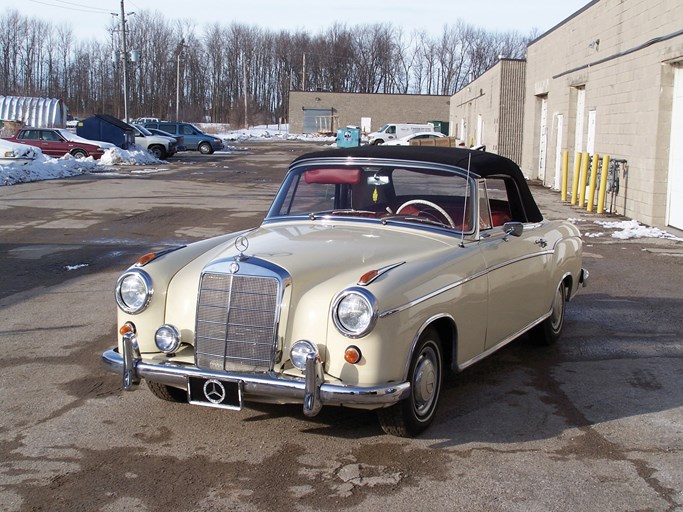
(133, 307)
(300, 351)
(365, 320)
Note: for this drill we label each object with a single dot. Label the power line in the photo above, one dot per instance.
(82, 5)
(94, 10)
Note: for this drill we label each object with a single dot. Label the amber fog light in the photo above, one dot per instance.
(352, 354)
(167, 339)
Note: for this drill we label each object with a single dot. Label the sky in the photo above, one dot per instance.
(89, 18)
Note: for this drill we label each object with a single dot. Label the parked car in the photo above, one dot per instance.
(179, 139)
(405, 141)
(195, 139)
(159, 145)
(12, 153)
(53, 143)
(375, 271)
(72, 137)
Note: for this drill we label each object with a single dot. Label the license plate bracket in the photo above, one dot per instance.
(221, 393)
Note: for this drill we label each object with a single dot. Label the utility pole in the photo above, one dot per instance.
(124, 52)
(181, 45)
(246, 104)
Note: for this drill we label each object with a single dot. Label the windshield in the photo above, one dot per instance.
(416, 195)
(143, 130)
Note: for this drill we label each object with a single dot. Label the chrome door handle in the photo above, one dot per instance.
(542, 242)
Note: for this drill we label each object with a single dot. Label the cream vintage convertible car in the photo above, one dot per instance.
(376, 270)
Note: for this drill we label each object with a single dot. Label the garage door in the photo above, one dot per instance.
(318, 120)
(675, 199)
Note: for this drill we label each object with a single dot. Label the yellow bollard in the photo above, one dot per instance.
(575, 178)
(565, 172)
(603, 184)
(593, 181)
(582, 179)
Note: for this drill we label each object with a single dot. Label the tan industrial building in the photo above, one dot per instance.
(314, 112)
(608, 80)
(489, 111)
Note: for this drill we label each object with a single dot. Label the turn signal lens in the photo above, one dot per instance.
(352, 354)
(143, 260)
(368, 277)
(126, 328)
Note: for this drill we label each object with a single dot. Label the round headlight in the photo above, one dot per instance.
(133, 291)
(355, 312)
(300, 351)
(167, 338)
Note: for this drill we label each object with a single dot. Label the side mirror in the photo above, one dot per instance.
(513, 228)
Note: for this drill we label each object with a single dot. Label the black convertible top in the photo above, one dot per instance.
(480, 163)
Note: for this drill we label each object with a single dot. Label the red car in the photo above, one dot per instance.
(52, 143)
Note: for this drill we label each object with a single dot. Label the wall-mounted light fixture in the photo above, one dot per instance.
(594, 44)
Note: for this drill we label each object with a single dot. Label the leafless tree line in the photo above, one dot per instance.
(229, 72)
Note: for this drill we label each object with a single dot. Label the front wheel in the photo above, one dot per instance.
(549, 331)
(413, 415)
(205, 148)
(168, 393)
(158, 152)
(79, 153)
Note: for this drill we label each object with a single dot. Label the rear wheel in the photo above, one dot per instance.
(413, 415)
(205, 148)
(168, 393)
(549, 331)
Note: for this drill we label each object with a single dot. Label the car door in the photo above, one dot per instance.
(192, 138)
(32, 137)
(518, 269)
(52, 144)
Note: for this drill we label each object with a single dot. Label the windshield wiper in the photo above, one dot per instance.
(345, 211)
(413, 218)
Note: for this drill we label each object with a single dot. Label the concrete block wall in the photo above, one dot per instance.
(498, 98)
(622, 53)
(349, 108)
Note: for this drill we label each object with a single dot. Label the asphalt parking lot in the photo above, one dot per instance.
(594, 422)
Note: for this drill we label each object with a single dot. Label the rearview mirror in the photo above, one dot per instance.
(513, 228)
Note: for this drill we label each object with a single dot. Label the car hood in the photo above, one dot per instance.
(319, 251)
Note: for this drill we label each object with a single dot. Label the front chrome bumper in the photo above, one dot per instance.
(310, 391)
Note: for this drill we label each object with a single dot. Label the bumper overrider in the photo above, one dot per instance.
(310, 390)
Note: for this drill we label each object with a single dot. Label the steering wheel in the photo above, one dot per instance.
(431, 205)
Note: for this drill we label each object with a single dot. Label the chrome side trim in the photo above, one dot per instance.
(432, 294)
(444, 289)
(500, 345)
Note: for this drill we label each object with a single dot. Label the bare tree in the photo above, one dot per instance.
(237, 73)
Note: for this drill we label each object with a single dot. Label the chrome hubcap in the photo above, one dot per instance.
(425, 381)
(558, 310)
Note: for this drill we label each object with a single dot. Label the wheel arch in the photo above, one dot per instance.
(445, 326)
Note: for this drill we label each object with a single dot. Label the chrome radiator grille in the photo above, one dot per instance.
(236, 322)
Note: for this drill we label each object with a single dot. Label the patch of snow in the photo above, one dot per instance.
(76, 267)
(629, 229)
(46, 168)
